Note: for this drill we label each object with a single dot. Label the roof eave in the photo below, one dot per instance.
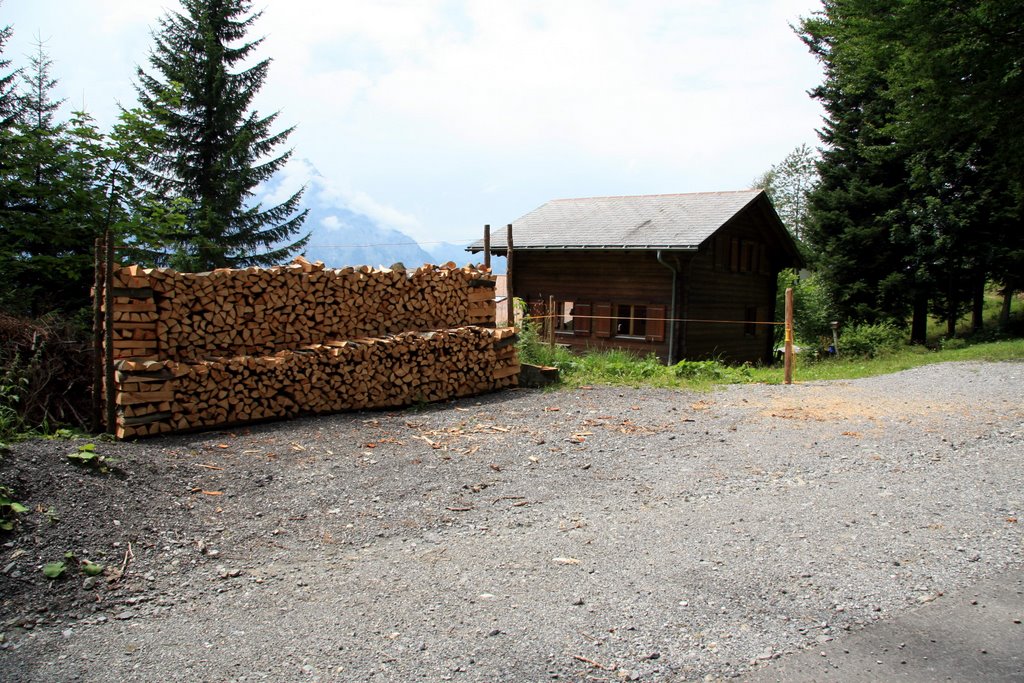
(499, 250)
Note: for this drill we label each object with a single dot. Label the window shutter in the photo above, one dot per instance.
(734, 254)
(581, 325)
(656, 323)
(603, 320)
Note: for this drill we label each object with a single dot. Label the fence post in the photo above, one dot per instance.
(789, 336)
(487, 246)
(508, 278)
(99, 270)
(551, 322)
(108, 331)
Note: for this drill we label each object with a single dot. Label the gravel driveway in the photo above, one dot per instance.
(585, 535)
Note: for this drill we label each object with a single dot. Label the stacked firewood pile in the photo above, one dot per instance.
(232, 346)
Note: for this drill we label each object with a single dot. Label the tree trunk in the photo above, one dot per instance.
(978, 306)
(1004, 313)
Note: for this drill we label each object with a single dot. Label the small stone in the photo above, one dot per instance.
(577, 601)
(124, 616)
(494, 632)
(89, 582)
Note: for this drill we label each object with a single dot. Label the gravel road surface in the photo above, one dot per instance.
(598, 534)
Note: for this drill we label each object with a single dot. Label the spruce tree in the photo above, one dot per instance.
(9, 105)
(860, 230)
(45, 237)
(216, 150)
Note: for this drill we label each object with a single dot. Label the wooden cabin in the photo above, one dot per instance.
(679, 275)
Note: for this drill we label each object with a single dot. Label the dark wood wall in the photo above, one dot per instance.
(595, 277)
(731, 278)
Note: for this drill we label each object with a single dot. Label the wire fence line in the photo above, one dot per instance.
(673, 320)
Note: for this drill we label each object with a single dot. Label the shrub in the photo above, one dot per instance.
(700, 370)
(870, 341)
(813, 310)
(45, 373)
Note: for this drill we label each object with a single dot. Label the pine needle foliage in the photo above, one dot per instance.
(217, 150)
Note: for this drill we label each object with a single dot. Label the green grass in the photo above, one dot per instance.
(620, 368)
(990, 314)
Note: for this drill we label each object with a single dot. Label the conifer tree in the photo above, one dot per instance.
(45, 239)
(9, 106)
(216, 149)
(859, 228)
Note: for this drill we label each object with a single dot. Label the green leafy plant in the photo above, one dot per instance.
(871, 341)
(9, 509)
(51, 514)
(87, 456)
(91, 568)
(699, 369)
(12, 384)
(54, 570)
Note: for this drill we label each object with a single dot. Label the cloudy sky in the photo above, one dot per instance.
(437, 116)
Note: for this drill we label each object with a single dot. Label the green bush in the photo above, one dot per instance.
(813, 311)
(871, 341)
(700, 370)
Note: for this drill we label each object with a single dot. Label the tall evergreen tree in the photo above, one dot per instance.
(215, 150)
(45, 245)
(9, 105)
(860, 230)
(959, 89)
(933, 90)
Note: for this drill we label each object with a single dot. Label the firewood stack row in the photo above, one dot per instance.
(257, 311)
(232, 346)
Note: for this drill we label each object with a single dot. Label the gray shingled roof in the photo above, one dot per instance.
(660, 221)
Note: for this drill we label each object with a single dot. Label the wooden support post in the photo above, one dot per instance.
(108, 332)
(508, 278)
(789, 336)
(98, 280)
(550, 322)
(487, 246)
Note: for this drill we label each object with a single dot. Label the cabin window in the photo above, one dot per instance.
(750, 321)
(564, 312)
(746, 256)
(631, 320)
(749, 251)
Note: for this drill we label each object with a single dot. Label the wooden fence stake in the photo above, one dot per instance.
(108, 332)
(98, 280)
(487, 246)
(550, 321)
(789, 336)
(508, 278)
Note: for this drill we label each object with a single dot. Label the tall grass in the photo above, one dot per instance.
(616, 367)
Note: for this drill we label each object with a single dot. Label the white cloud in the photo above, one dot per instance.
(431, 115)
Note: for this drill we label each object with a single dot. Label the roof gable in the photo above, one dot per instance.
(666, 221)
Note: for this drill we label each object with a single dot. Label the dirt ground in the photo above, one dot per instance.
(593, 534)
